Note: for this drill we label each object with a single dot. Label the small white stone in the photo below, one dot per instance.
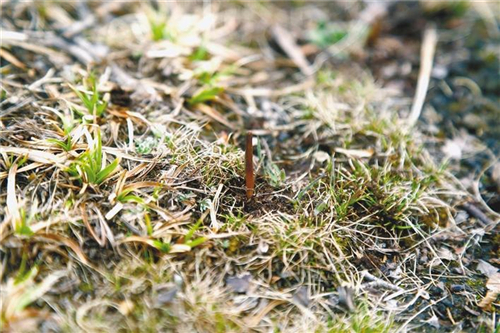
(321, 156)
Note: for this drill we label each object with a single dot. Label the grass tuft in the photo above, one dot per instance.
(91, 166)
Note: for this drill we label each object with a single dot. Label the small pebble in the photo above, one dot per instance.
(166, 296)
(457, 288)
(447, 303)
(435, 291)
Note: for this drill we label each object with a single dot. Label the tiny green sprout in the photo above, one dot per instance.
(275, 174)
(22, 160)
(320, 208)
(192, 230)
(209, 74)
(66, 144)
(90, 164)
(70, 202)
(200, 54)
(125, 196)
(326, 34)
(23, 273)
(188, 237)
(157, 29)
(68, 124)
(157, 20)
(205, 95)
(196, 242)
(93, 102)
(22, 227)
(163, 247)
(156, 192)
(149, 226)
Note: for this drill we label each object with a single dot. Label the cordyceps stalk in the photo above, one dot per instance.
(249, 176)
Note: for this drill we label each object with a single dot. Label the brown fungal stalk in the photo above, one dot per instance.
(249, 175)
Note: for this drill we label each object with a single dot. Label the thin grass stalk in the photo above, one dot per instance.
(249, 174)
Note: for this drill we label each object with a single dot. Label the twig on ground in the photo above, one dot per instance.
(213, 208)
(480, 199)
(377, 282)
(287, 43)
(477, 213)
(426, 61)
(402, 328)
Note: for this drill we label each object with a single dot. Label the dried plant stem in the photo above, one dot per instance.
(426, 60)
(249, 175)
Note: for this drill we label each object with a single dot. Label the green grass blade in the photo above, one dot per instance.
(197, 241)
(104, 173)
(163, 247)
(60, 143)
(205, 95)
(89, 172)
(98, 150)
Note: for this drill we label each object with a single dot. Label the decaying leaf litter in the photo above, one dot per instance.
(124, 198)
